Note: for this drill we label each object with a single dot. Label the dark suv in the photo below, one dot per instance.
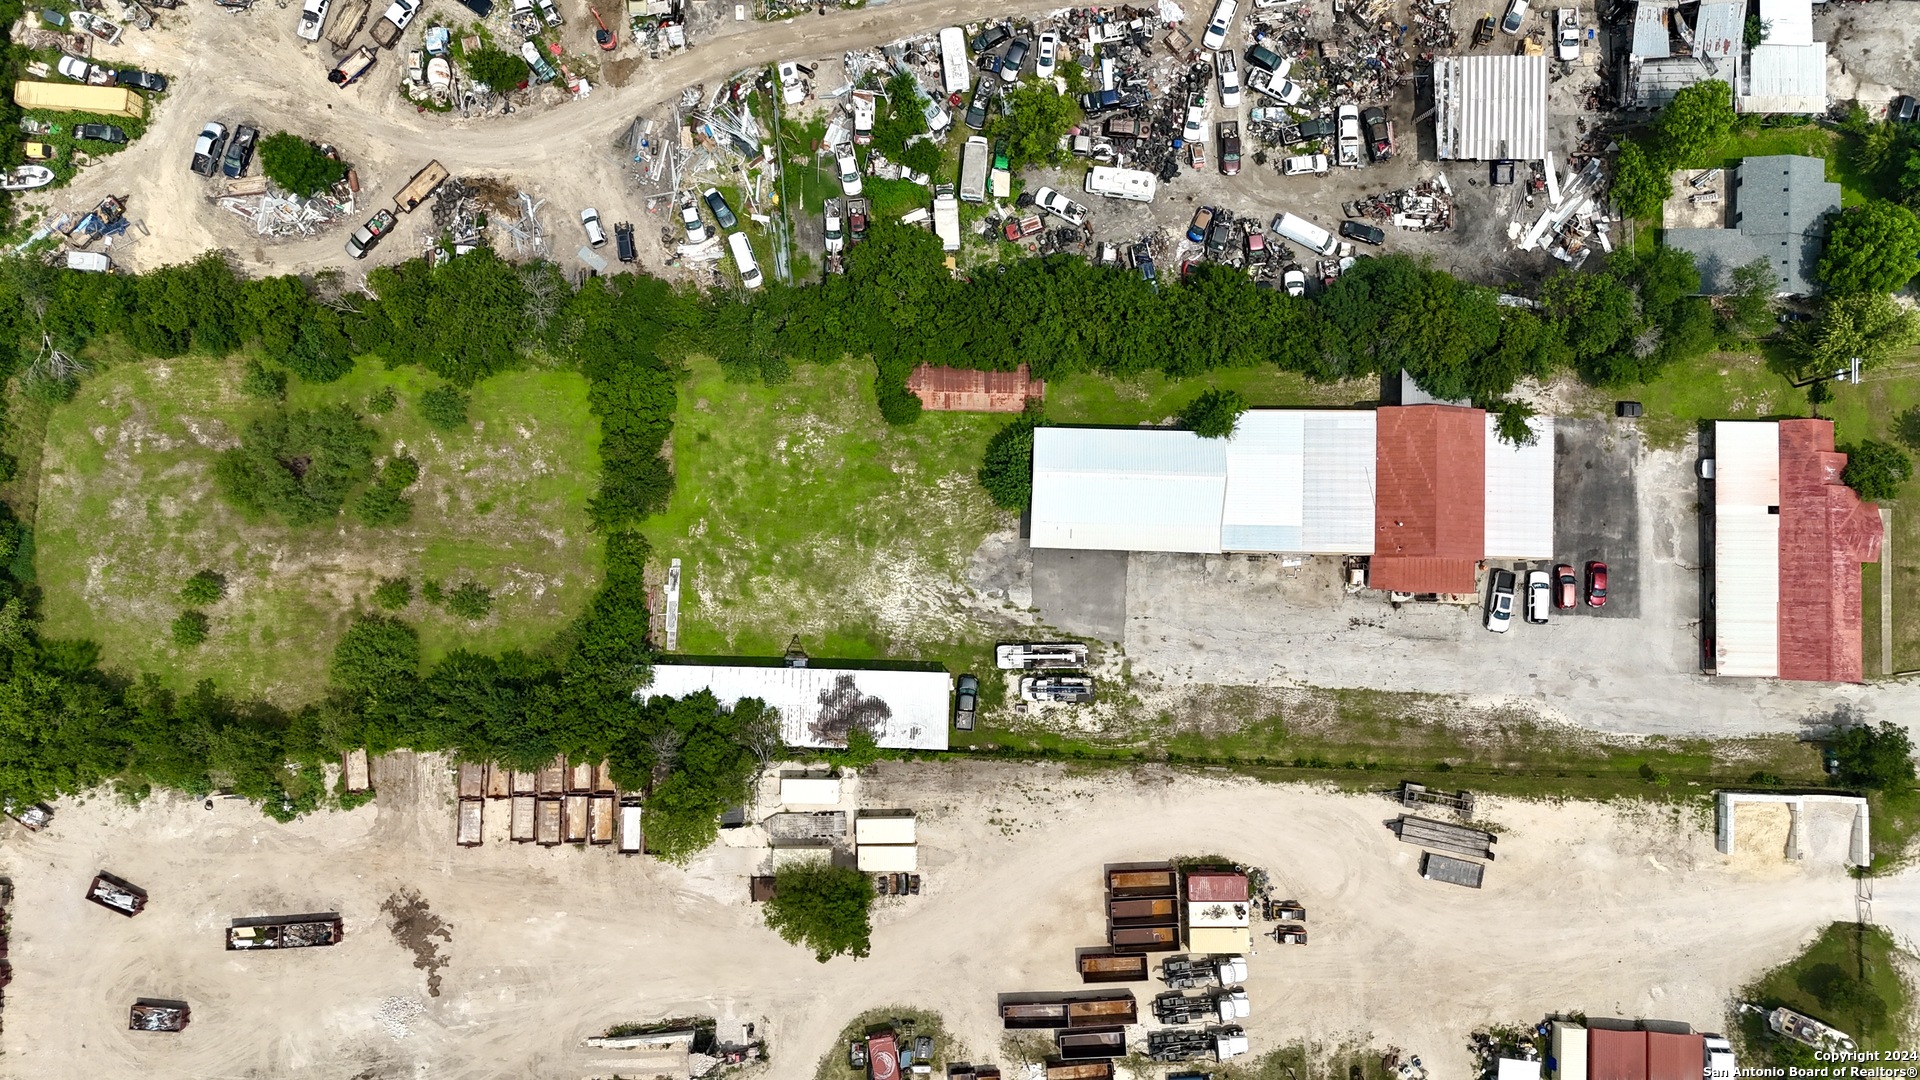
(1319, 127)
(240, 151)
(1379, 133)
(99, 133)
(1363, 232)
(990, 38)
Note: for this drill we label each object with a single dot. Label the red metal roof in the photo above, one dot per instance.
(1217, 886)
(1617, 1055)
(1826, 532)
(1429, 518)
(951, 389)
(1675, 1057)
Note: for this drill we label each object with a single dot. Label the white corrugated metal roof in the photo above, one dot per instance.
(1266, 489)
(1720, 29)
(1491, 107)
(884, 828)
(1140, 489)
(919, 699)
(1519, 489)
(1746, 548)
(1786, 79)
(809, 791)
(1341, 450)
(887, 858)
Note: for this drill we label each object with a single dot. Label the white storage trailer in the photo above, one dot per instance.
(975, 157)
(956, 66)
(884, 827)
(1132, 185)
(887, 858)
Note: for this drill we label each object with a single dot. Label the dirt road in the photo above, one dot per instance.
(251, 68)
(1624, 911)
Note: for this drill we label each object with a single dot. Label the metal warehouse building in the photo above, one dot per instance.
(1489, 108)
(1431, 486)
(1788, 541)
(913, 704)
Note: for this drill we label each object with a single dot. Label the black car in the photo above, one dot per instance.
(966, 700)
(990, 38)
(1379, 133)
(1363, 232)
(240, 151)
(976, 117)
(717, 203)
(482, 8)
(1265, 59)
(141, 80)
(1319, 127)
(1904, 110)
(99, 133)
(1015, 59)
(1099, 101)
(623, 242)
(1219, 237)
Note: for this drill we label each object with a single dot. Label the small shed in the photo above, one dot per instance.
(1569, 1050)
(1516, 1069)
(761, 888)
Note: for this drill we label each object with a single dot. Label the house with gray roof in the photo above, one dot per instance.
(1777, 209)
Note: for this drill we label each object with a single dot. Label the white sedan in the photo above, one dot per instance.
(1219, 26)
(849, 174)
(690, 217)
(1060, 206)
(313, 17)
(1047, 57)
(1196, 126)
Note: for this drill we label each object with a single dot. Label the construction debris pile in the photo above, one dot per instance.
(1433, 28)
(1361, 59)
(1425, 207)
(1575, 220)
(280, 214)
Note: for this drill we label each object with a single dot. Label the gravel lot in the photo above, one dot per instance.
(1620, 909)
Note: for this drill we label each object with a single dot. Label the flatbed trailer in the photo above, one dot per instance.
(472, 819)
(1145, 938)
(576, 819)
(1080, 1070)
(1437, 867)
(423, 184)
(117, 896)
(1107, 1043)
(150, 1015)
(520, 822)
(546, 826)
(1147, 881)
(1104, 1010)
(285, 932)
(1444, 835)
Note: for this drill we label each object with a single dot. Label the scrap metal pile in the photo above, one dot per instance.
(1425, 207)
(1575, 220)
(1433, 30)
(279, 214)
(1360, 60)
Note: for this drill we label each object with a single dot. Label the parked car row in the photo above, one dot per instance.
(214, 152)
(1545, 592)
(84, 71)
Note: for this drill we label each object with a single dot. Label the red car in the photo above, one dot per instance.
(1596, 584)
(1566, 588)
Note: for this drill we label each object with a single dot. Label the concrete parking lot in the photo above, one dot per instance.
(1596, 508)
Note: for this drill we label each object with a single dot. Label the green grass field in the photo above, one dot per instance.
(1815, 984)
(128, 511)
(798, 511)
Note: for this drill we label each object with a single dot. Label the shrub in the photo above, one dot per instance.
(1875, 469)
(203, 588)
(471, 600)
(393, 593)
(264, 382)
(298, 165)
(444, 408)
(378, 656)
(382, 401)
(498, 69)
(1875, 757)
(300, 467)
(1214, 414)
(1006, 469)
(432, 592)
(190, 629)
(381, 505)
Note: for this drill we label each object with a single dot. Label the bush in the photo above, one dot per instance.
(1214, 414)
(498, 69)
(1875, 469)
(382, 401)
(378, 657)
(823, 907)
(1006, 469)
(203, 588)
(444, 408)
(298, 165)
(190, 629)
(1875, 757)
(264, 382)
(393, 593)
(300, 467)
(471, 601)
(432, 592)
(380, 505)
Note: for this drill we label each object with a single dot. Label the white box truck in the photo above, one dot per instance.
(946, 217)
(1305, 233)
(956, 67)
(975, 157)
(1129, 184)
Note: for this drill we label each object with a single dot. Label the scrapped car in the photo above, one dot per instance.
(1015, 59)
(99, 133)
(1219, 26)
(80, 71)
(690, 219)
(1363, 232)
(717, 203)
(1046, 57)
(1566, 34)
(836, 232)
(1202, 220)
(1304, 164)
(366, 236)
(208, 148)
(1060, 206)
(1218, 237)
(590, 223)
(1229, 74)
(240, 151)
(313, 18)
(990, 38)
(849, 173)
(976, 117)
(141, 80)
(1516, 17)
(1196, 125)
(1265, 59)
(1295, 280)
(1379, 133)
(1317, 127)
(1229, 137)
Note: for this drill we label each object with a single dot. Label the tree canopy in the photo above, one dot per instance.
(298, 165)
(1876, 470)
(1214, 413)
(1037, 118)
(822, 907)
(1871, 248)
(300, 467)
(1694, 123)
(1867, 326)
(1880, 757)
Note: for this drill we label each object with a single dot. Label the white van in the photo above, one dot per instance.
(1305, 233)
(1129, 184)
(743, 258)
(956, 65)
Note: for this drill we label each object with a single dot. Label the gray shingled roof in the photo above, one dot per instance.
(1780, 209)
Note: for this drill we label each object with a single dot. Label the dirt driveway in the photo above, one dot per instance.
(1612, 910)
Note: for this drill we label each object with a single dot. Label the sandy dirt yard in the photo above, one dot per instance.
(1624, 911)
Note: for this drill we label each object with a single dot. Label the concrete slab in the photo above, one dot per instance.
(1082, 592)
(1596, 508)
